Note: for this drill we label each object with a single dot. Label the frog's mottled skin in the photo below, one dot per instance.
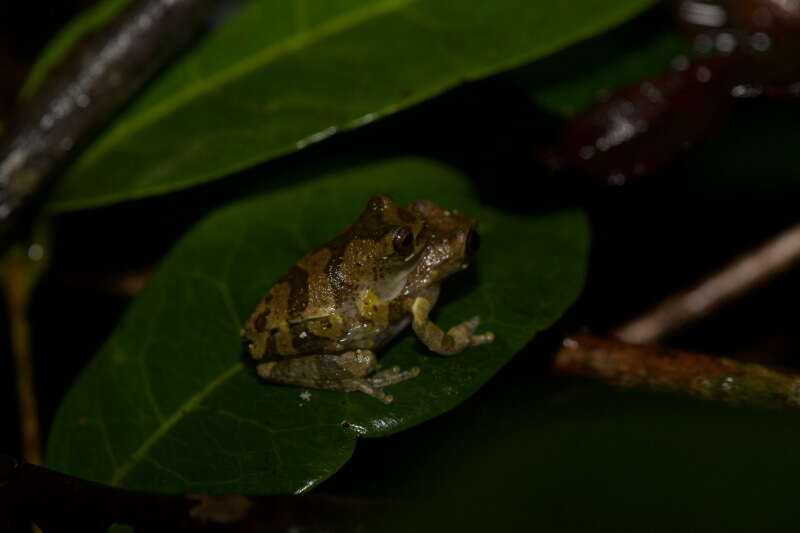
(319, 325)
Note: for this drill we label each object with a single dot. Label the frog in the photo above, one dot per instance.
(320, 325)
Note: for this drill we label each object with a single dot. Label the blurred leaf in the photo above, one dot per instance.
(569, 81)
(545, 458)
(60, 45)
(278, 76)
(169, 405)
(753, 158)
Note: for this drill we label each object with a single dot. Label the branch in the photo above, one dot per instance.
(93, 82)
(663, 369)
(20, 269)
(60, 503)
(739, 277)
(17, 308)
(632, 362)
(120, 283)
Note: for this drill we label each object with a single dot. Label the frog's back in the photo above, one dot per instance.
(305, 292)
(324, 303)
(298, 316)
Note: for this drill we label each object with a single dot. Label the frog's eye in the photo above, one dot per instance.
(473, 242)
(403, 241)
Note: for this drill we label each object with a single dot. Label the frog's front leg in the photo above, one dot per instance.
(455, 340)
(348, 371)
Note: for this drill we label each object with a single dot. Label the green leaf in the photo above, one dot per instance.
(62, 43)
(169, 403)
(592, 460)
(754, 159)
(278, 76)
(120, 528)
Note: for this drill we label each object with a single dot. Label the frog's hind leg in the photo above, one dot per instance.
(392, 375)
(374, 384)
(349, 371)
(455, 340)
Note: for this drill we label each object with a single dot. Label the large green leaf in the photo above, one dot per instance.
(753, 159)
(280, 75)
(168, 404)
(592, 460)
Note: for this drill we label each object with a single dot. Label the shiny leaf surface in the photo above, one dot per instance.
(278, 76)
(563, 458)
(182, 410)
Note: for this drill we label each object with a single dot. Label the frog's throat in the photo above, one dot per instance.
(392, 286)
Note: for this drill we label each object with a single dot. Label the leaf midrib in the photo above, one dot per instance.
(237, 70)
(170, 422)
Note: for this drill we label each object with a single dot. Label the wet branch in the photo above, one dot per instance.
(664, 369)
(61, 503)
(80, 95)
(125, 283)
(631, 360)
(28, 411)
(20, 270)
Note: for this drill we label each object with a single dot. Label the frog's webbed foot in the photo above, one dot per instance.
(349, 371)
(455, 340)
(392, 376)
(374, 384)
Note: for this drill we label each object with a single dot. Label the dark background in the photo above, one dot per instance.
(649, 239)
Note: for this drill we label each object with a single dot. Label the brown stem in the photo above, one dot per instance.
(17, 286)
(92, 83)
(60, 503)
(740, 276)
(120, 283)
(663, 369)
(31, 441)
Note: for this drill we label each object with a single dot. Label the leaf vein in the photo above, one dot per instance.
(160, 466)
(192, 403)
(107, 443)
(237, 70)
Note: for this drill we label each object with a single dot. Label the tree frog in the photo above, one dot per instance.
(320, 324)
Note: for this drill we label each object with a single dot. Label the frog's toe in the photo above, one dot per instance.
(472, 324)
(371, 389)
(373, 385)
(391, 376)
(483, 338)
(475, 339)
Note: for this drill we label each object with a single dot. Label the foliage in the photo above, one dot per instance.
(171, 404)
(278, 76)
(184, 400)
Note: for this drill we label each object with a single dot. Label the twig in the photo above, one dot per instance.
(122, 283)
(59, 503)
(95, 80)
(21, 268)
(630, 362)
(662, 369)
(742, 275)
(31, 441)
